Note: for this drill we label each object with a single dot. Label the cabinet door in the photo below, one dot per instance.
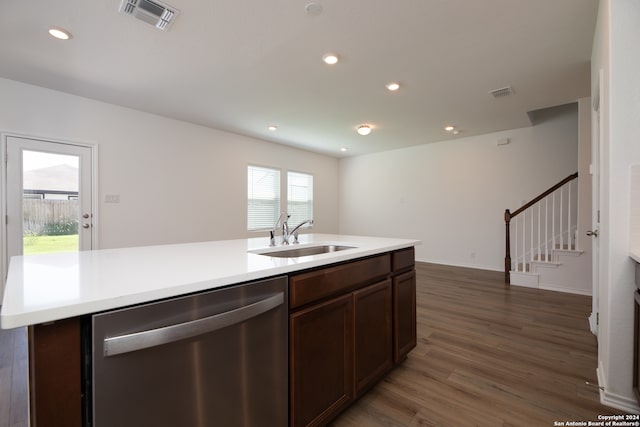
(404, 315)
(373, 334)
(321, 361)
(54, 374)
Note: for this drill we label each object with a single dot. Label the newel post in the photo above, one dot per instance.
(507, 257)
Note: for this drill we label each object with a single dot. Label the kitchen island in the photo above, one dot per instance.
(53, 293)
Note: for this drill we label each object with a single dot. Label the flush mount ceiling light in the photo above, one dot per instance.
(273, 128)
(59, 33)
(393, 86)
(313, 8)
(364, 129)
(449, 128)
(344, 149)
(330, 58)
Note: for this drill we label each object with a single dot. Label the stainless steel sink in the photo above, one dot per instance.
(302, 251)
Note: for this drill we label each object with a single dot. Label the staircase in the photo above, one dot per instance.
(542, 236)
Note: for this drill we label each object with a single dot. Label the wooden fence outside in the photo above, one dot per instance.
(50, 217)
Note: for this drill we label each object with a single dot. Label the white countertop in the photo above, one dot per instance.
(44, 288)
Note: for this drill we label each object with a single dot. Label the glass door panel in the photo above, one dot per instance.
(50, 204)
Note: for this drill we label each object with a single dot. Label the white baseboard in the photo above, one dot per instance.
(614, 400)
(477, 267)
(527, 280)
(565, 290)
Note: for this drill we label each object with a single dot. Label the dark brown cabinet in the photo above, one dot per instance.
(372, 318)
(349, 325)
(360, 313)
(404, 315)
(404, 303)
(636, 346)
(321, 361)
(636, 336)
(54, 374)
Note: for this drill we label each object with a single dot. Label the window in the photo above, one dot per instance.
(263, 198)
(299, 197)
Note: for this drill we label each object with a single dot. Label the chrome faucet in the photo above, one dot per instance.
(295, 229)
(282, 219)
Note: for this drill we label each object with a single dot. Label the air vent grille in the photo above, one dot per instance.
(502, 92)
(154, 13)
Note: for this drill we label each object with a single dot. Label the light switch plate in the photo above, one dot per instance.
(112, 198)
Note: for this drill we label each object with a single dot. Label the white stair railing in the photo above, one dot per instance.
(546, 223)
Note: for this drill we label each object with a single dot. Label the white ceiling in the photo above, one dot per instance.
(241, 65)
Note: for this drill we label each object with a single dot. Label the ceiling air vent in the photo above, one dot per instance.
(155, 13)
(502, 92)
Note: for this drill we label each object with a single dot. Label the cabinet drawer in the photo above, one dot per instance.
(315, 285)
(403, 260)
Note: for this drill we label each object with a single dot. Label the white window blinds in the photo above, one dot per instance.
(263, 198)
(299, 197)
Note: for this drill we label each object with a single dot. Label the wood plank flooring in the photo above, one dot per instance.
(13, 378)
(488, 355)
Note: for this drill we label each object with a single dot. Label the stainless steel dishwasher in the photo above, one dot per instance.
(217, 358)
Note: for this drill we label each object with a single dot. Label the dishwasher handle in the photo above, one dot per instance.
(155, 337)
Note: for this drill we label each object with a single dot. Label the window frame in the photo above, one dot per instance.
(283, 205)
(278, 206)
(308, 215)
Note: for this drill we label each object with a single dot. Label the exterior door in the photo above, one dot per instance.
(48, 197)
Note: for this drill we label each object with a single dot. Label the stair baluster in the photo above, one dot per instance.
(546, 228)
(539, 250)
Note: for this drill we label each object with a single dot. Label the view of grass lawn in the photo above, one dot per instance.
(50, 244)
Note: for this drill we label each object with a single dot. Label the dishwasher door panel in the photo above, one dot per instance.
(154, 366)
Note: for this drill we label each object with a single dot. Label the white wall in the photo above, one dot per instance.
(615, 53)
(177, 182)
(452, 194)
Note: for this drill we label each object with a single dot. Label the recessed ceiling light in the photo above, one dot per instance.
(273, 128)
(60, 33)
(393, 86)
(364, 129)
(344, 149)
(449, 128)
(330, 58)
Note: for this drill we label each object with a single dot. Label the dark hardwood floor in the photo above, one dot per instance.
(487, 355)
(13, 378)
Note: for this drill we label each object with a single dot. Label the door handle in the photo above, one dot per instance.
(155, 337)
(593, 233)
(86, 225)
